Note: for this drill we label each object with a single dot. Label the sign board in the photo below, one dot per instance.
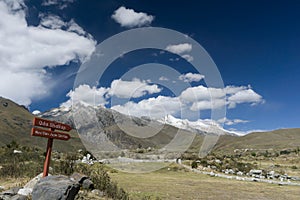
(51, 124)
(49, 134)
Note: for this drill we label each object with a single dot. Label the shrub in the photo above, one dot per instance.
(194, 164)
(102, 181)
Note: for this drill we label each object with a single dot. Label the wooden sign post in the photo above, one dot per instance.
(50, 134)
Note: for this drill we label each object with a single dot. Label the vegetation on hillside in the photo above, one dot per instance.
(26, 162)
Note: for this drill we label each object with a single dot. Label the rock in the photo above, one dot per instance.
(239, 173)
(27, 189)
(218, 161)
(295, 178)
(79, 178)
(98, 192)
(55, 188)
(88, 184)
(255, 172)
(19, 197)
(17, 151)
(11, 192)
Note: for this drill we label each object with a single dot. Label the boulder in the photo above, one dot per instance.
(9, 194)
(87, 184)
(19, 197)
(79, 178)
(55, 188)
(27, 189)
(239, 173)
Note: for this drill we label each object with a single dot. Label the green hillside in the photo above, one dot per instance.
(16, 123)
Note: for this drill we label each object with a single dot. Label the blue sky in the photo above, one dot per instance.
(254, 44)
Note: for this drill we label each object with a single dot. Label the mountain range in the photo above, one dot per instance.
(117, 131)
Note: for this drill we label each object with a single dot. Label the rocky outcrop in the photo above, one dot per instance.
(51, 188)
(11, 194)
(55, 188)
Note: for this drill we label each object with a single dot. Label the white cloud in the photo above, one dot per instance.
(188, 57)
(190, 77)
(129, 18)
(153, 107)
(230, 122)
(162, 78)
(245, 96)
(87, 95)
(179, 48)
(203, 98)
(201, 93)
(55, 22)
(22, 86)
(230, 89)
(135, 88)
(51, 21)
(182, 50)
(36, 112)
(26, 50)
(59, 3)
(74, 27)
(207, 105)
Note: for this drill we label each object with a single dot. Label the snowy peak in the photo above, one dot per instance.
(199, 126)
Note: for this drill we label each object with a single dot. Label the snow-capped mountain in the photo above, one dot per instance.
(107, 116)
(199, 126)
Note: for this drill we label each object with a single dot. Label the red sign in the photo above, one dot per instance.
(51, 124)
(49, 134)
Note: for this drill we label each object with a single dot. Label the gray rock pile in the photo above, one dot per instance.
(50, 188)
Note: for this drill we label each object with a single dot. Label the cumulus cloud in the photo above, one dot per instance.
(129, 18)
(162, 78)
(203, 98)
(36, 112)
(182, 50)
(153, 107)
(135, 88)
(51, 21)
(230, 122)
(59, 3)
(201, 93)
(207, 104)
(87, 95)
(179, 48)
(55, 22)
(190, 77)
(26, 50)
(193, 98)
(245, 96)
(188, 57)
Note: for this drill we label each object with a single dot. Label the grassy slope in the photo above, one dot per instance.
(276, 140)
(16, 123)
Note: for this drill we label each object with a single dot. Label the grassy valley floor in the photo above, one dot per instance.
(181, 184)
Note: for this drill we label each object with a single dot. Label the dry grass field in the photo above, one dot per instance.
(180, 184)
